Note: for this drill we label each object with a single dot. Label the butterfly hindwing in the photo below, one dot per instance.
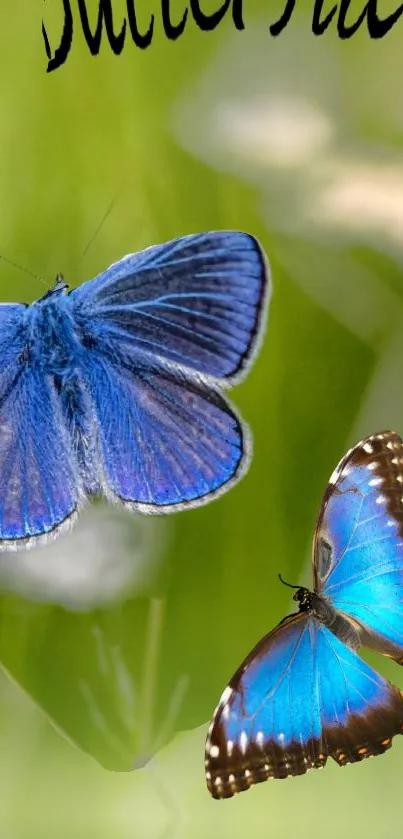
(40, 484)
(300, 697)
(358, 546)
(196, 302)
(164, 440)
(255, 733)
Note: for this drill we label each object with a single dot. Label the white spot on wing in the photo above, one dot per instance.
(226, 695)
(368, 447)
(260, 739)
(375, 482)
(381, 499)
(230, 746)
(214, 751)
(243, 742)
(334, 476)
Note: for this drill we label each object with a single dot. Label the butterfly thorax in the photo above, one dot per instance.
(51, 339)
(321, 609)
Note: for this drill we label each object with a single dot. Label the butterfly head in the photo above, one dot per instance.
(60, 284)
(59, 287)
(304, 598)
(302, 595)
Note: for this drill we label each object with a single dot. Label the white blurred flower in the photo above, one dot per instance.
(285, 118)
(107, 554)
(365, 198)
(274, 130)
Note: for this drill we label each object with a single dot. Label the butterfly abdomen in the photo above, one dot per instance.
(336, 622)
(76, 410)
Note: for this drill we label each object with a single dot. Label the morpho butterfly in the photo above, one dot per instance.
(116, 387)
(303, 694)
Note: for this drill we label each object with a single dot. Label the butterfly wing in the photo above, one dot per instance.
(165, 441)
(167, 328)
(39, 483)
(299, 697)
(196, 302)
(358, 545)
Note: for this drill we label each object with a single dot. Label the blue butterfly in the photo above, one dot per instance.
(303, 694)
(116, 387)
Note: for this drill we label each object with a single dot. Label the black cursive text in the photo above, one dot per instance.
(117, 32)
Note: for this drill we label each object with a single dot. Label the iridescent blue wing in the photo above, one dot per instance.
(165, 441)
(197, 302)
(39, 484)
(299, 697)
(167, 328)
(358, 545)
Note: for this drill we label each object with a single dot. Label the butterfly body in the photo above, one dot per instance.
(304, 694)
(321, 610)
(115, 388)
(50, 345)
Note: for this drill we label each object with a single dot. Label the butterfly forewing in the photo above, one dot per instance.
(358, 546)
(198, 302)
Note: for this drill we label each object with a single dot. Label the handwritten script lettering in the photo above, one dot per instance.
(117, 32)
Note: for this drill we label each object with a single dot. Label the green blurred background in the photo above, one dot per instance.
(119, 639)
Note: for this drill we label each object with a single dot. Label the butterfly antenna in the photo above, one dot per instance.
(101, 223)
(286, 584)
(25, 270)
